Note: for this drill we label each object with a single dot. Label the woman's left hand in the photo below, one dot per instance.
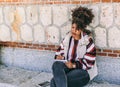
(69, 64)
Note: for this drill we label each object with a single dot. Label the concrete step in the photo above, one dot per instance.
(17, 77)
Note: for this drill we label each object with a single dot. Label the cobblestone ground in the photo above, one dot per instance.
(16, 77)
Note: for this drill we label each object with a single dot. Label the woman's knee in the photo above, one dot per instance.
(78, 82)
(78, 78)
(57, 65)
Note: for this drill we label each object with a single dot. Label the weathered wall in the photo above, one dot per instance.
(43, 26)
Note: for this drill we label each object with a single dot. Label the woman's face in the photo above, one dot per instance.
(76, 33)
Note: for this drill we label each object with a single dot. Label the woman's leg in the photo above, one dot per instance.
(59, 74)
(77, 78)
(52, 83)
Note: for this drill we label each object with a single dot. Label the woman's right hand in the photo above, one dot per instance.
(60, 57)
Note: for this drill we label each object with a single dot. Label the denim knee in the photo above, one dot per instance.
(57, 65)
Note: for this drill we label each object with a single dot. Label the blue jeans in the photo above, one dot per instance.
(65, 77)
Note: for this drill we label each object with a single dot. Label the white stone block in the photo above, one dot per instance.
(60, 15)
(15, 36)
(4, 33)
(52, 35)
(117, 13)
(13, 13)
(21, 13)
(39, 34)
(114, 37)
(70, 10)
(106, 15)
(9, 14)
(26, 33)
(65, 29)
(89, 28)
(19, 18)
(95, 11)
(32, 14)
(45, 15)
(1, 15)
(100, 37)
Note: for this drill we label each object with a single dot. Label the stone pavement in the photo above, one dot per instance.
(17, 77)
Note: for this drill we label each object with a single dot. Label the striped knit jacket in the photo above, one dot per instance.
(86, 53)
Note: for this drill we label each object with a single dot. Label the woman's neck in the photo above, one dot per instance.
(77, 37)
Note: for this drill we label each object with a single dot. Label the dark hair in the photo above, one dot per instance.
(82, 17)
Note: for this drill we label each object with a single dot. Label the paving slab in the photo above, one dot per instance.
(17, 77)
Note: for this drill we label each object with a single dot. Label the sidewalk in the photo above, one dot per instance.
(17, 77)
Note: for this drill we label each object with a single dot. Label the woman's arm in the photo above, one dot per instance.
(88, 60)
(60, 52)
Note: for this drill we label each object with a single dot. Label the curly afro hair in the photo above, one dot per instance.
(82, 17)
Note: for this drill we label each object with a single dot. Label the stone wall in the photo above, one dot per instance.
(42, 27)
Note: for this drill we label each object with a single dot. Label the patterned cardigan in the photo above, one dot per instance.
(86, 53)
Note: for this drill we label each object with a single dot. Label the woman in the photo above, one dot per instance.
(79, 52)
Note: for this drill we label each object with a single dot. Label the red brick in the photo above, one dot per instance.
(47, 48)
(15, 2)
(98, 50)
(116, 51)
(61, 2)
(95, 0)
(21, 43)
(75, 2)
(13, 46)
(37, 45)
(20, 46)
(116, 0)
(29, 44)
(112, 55)
(41, 48)
(106, 50)
(56, 46)
(52, 46)
(25, 46)
(43, 45)
(85, 2)
(102, 54)
(106, 0)
(5, 45)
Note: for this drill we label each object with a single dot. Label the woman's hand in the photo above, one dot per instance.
(59, 57)
(70, 65)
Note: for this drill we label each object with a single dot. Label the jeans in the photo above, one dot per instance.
(65, 77)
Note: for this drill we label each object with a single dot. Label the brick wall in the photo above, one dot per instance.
(100, 52)
(26, 26)
(55, 1)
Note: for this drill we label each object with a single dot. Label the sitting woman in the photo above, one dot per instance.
(75, 65)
